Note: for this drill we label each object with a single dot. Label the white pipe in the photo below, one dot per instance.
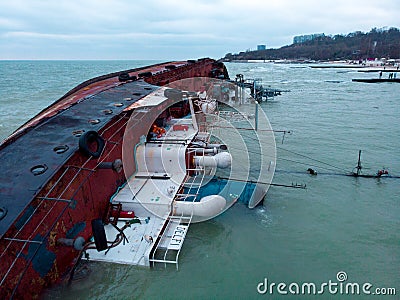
(208, 206)
(221, 160)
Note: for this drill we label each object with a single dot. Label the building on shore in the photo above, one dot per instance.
(304, 38)
(261, 47)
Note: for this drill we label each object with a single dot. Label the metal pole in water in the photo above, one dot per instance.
(236, 93)
(254, 90)
(242, 92)
(359, 163)
(256, 117)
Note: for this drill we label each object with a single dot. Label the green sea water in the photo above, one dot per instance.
(338, 224)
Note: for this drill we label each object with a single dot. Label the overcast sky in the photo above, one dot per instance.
(168, 29)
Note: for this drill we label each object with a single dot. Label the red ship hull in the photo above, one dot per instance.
(78, 190)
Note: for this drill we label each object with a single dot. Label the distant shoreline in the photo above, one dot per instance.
(372, 66)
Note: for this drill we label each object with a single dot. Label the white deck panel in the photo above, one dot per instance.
(153, 99)
(136, 252)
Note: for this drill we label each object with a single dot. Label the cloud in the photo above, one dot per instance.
(182, 29)
(8, 23)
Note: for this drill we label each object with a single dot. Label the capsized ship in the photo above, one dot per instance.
(118, 169)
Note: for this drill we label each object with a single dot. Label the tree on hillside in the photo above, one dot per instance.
(381, 43)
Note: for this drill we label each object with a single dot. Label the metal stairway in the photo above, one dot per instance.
(168, 245)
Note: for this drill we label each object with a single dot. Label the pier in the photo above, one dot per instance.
(375, 80)
(257, 91)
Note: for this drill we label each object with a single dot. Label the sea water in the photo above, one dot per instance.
(336, 225)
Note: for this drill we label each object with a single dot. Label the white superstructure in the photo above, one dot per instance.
(156, 195)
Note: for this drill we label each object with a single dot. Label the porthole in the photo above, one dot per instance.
(61, 149)
(94, 121)
(38, 169)
(78, 132)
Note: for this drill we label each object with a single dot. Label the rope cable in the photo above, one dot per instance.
(298, 162)
(305, 156)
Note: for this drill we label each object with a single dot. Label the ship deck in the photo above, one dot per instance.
(150, 194)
